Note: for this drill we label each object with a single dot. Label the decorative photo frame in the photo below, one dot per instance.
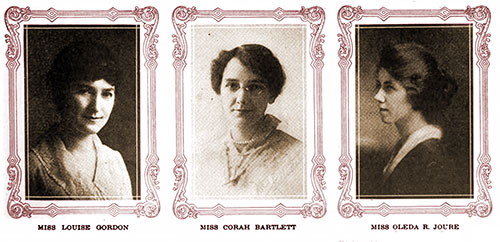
(147, 17)
(182, 206)
(480, 17)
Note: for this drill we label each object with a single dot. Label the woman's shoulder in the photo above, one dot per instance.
(431, 148)
(106, 152)
(210, 149)
(430, 144)
(428, 158)
(44, 171)
(426, 169)
(42, 142)
(426, 154)
(110, 151)
(45, 151)
(281, 141)
(287, 152)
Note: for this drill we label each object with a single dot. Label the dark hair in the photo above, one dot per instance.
(259, 59)
(428, 87)
(80, 61)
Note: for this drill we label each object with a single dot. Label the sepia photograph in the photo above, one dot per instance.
(249, 112)
(414, 111)
(82, 112)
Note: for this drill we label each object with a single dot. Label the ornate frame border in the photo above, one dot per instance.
(148, 16)
(481, 17)
(315, 16)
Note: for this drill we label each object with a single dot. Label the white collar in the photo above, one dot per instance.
(425, 133)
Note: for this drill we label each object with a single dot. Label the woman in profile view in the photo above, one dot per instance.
(411, 93)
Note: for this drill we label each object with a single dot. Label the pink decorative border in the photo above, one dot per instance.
(481, 18)
(14, 17)
(315, 16)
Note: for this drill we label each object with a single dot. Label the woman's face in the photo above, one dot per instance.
(392, 98)
(89, 106)
(244, 94)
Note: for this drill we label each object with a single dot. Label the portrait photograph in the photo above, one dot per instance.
(82, 112)
(248, 106)
(414, 111)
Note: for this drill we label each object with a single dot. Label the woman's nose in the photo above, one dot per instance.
(242, 95)
(95, 103)
(380, 96)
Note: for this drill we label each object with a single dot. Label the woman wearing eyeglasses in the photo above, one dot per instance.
(255, 159)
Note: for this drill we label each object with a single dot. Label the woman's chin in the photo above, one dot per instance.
(89, 129)
(386, 119)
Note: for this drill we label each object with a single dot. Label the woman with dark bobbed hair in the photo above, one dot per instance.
(412, 93)
(69, 161)
(255, 159)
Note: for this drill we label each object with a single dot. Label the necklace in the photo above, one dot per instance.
(255, 135)
(242, 142)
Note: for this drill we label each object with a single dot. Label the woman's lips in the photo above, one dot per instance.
(241, 110)
(94, 117)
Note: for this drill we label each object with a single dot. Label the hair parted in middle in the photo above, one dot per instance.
(258, 59)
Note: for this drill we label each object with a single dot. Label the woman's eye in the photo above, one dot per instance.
(388, 88)
(233, 86)
(83, 91)
(108, 94)
(255, 88)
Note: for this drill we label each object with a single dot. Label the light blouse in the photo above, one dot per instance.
(271, 166)
(54, 173)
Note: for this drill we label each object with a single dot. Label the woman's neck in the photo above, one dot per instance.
(410, 124)
(245, 132)
(76, 141)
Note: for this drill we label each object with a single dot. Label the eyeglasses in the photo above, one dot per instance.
(254, 89)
